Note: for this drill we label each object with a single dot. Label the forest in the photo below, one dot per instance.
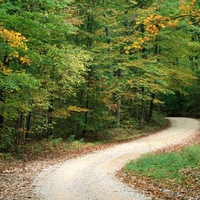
(78, 68)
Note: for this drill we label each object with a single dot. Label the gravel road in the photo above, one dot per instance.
(92, 177)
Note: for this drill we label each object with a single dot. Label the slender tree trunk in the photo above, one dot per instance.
(89, 75)
(1, 116)
(1, 121)
(179, 103)
(151, 106)
(127, 24)
(143, 111)
(49, 130)
(86, 118)
(2, 99)
(142, 119)
(118, 113)
(28, 125)
(118, 74)
(105, 16)
(19, 132)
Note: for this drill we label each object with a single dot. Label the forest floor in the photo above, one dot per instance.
(16, 176)
(16, 181)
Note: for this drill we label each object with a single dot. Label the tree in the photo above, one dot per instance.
(56, 64)
(95, 64)
(156, 32)
(16, 87)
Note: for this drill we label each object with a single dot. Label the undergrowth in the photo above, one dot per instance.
(48, 148)
(130, 129)
(44, 148)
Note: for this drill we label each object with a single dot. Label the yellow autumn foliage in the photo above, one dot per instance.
(25, 59)
(193, 2)
(5, 70)
(77, 109)
(14, 39)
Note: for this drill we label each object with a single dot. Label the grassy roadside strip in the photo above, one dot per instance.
(166, 175)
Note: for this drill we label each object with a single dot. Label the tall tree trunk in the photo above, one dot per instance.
(1, 122)
(119, 72)
(118, 113)
(49, 130)
(28, 125)
(143, 112)
(179, 103)
(106, 27)
(151, 106)
(142, 119)
(1, 116)
(86, 118)
(19, 130)
(117, 98)
(90, 21)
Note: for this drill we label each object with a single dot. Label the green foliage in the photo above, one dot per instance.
(120, 134)
(56, 64)
(19, 90)
(6, 139)
(71, 138)
(166, 165)
(83, 67)
(56, 142)
(158, 119)
(7, 157)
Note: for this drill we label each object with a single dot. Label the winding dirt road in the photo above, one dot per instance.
(92, 177)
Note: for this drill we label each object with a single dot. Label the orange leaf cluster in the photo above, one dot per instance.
(153, 23)
(189, 10)
(186, 7)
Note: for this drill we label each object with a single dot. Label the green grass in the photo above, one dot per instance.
(166, 165)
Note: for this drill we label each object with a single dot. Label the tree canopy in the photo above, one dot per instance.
(82, 67)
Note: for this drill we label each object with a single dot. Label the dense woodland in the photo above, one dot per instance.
(81, 67)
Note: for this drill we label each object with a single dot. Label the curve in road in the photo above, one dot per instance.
(92, 177)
